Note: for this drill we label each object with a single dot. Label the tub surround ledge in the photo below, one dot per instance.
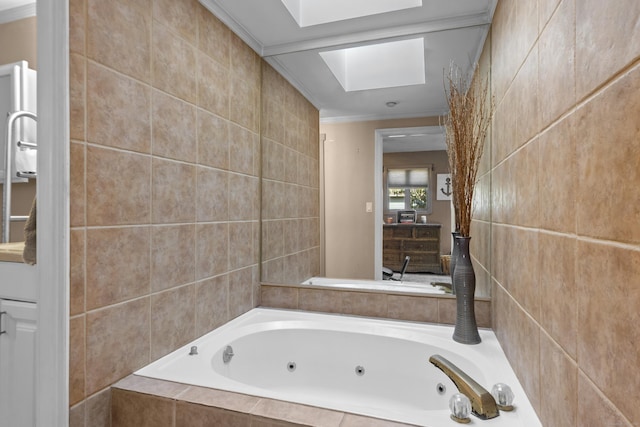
(400, 305)
(174, 404)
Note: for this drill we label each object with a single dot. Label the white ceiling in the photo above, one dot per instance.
(453, 30)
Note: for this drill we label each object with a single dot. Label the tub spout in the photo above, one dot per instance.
(483, 405)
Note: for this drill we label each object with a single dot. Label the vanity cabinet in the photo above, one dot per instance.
(419, 241)
(17, 362)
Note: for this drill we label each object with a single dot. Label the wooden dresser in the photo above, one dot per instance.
(420, 241)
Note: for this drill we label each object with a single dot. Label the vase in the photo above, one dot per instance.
(464, 282)
(454, 259)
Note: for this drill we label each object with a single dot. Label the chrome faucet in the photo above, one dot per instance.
(483, 405)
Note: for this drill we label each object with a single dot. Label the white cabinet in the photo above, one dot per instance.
(17, 363)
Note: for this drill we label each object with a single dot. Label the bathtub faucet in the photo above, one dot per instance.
(483, 405)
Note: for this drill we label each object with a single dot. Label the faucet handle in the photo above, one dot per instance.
(503, 395)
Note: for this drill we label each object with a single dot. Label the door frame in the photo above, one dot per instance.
(378, 197)
(52, 338)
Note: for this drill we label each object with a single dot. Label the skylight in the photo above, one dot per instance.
(399, 63)
(314, 12)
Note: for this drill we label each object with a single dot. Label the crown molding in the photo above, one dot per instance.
(17, 13)
(363, 37)
(376, 117)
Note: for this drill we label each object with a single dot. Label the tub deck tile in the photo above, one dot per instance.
(152, 386)
(220, 398)
(267, 422)
(194, 415)
(297, 413)
(351, 420)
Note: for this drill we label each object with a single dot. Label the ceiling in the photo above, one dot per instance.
(452, 30)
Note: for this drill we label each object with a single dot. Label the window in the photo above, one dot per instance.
(408, 188)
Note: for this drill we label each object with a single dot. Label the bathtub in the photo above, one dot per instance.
(379, 285)
(372, 367)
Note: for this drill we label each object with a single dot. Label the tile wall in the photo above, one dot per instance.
(564, 242)
(165, 184)
(290, 183)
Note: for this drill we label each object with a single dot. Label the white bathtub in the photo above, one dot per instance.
(380, 285)
(372, 367)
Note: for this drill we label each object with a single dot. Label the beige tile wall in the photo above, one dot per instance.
(290, 184)
(564, 251)
(165, 185)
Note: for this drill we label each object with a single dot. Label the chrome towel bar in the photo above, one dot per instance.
(6, 188)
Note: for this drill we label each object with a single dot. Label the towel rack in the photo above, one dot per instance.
(6, 188)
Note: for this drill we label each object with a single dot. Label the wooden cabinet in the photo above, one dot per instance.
(419, 241)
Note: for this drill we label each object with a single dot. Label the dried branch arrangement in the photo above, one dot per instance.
(470, 113)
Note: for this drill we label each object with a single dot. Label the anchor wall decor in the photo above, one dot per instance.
(444, 186)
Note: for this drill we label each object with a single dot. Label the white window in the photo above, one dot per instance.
(408, 188)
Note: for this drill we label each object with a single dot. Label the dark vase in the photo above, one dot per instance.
(464, 282)
(454, 259)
